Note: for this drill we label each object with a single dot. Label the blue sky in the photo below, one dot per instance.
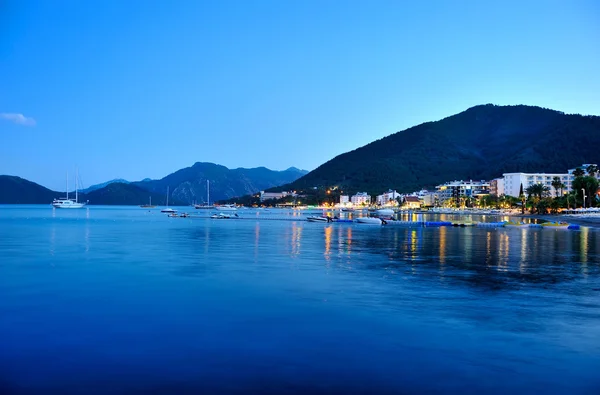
(137, 89)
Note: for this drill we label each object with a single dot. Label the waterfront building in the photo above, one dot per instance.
(344, 200)
(497, 186)
(462, 189)
(360, 198)
(513, 181)
(411, 202)
(387, 198)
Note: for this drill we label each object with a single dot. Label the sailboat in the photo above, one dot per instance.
(168, 209)
(207, 204)
(149, 205)
(66, 202)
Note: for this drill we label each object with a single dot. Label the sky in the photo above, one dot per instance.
(141, 88)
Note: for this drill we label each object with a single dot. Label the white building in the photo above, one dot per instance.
(459, 189)
(513, 181)
(384, 199)
(360, 198)
(344, 200)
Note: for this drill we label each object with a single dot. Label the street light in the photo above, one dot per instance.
(583, 193)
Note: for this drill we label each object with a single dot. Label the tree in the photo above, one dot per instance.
(557, 184)
(589, 184)
(578, 172)
(522, 197)
(540, 190)
(592, 170)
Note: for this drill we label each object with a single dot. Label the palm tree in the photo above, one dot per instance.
(557, 184)
(540, 190)
(578, 172)
(522, 197)
(592, 170)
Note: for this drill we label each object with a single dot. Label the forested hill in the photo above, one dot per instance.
(480, 143)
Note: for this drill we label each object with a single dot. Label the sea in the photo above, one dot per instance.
(126, 300)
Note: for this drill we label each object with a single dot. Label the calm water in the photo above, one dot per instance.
(126, 300)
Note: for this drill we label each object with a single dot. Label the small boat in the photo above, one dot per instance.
(512, 224)
(149, 205)
(184, 215)
(463, 224)
(347, 209)
(555, 225)
(223, 216)
(319, 218)
(370, 220)
(226, 207)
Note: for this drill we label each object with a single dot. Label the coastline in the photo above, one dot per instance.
(581, 220)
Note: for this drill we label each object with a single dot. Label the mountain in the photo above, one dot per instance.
(189, 184)
(118, 193)
(480, 143)
(102, 185)
(17, 190)
(185, 186)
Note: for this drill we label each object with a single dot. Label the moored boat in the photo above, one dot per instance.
(512, 224)
(370, 220)
(555, 225)
(226, 207)
(66, 202)
(319, 218)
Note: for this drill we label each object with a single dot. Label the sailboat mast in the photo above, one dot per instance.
(167, 196)
(67, 185)
(207, 193)
(76, 178)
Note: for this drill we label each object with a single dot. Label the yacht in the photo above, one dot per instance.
(168, 209)
(149, 205)
(66, 202)
(207, 205)
(226, 207)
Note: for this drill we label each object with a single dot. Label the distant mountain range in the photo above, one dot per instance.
(480, 143)
(185, 187)
(102, 185)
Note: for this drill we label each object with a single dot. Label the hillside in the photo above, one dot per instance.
(189, 184)
(125, 194)
(17, 190)
(102, 185)
(480, 143)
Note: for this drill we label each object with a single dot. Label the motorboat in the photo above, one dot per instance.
(319, 218)
(370, 220)
(555, 225)
(347, 209)
(512, 224)
(224, 216)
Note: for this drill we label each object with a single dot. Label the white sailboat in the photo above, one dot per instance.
(168, 209)
(207, 205)
(66, 202)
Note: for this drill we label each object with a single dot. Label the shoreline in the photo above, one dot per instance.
(589, 221)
